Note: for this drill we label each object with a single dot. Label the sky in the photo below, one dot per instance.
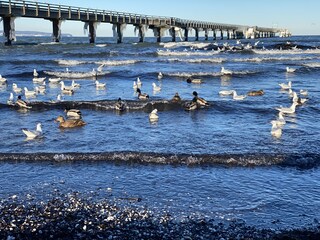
(300, 17)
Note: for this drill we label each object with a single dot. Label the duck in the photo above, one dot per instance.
(15, 88)
(290, 70)
(120, 105)
(160, 75)
(256, 93)
(35, 73)
(139, 83)
(142, 96)
(288, 110)
(10, 101)
(32, 134)
(200, 101)
(73, 113)
(100, 85)
(193, 105)
(54, 80)
(275, 130)
(153, 116)
(235, 96)
(156, 88)
(74, 84)
(226, 92)
(226, 71)
(21, 103)
(69, 123)
(29, 93)
(2, 79)
(286, 86)
(176, 98)
(194, 80)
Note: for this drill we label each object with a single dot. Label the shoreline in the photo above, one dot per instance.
(73, 216)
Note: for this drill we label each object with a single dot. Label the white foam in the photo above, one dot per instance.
(266, 59)
(312, 65)
(119, 62)
(292, 51)
(186, 53)
(70, 62)
(76, 74)
(198, 60)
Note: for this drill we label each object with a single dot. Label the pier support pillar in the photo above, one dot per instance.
(228, 34)
(92, 32)
(214, 35)
(117, 29)
(197, 34)
(206, 35)
(9, 30)
(158, 33)
(186, 34)
(173, 34)
(221, 32)
(234, 35)
(56, 33)
(141, 33)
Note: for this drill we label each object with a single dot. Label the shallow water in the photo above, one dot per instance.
(281, 182)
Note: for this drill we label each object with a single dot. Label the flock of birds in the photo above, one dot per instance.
(74, 116)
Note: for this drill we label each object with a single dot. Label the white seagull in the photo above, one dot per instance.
(285, 86)
(160, 75)
(99, 84)
(226, 92)
(139, 83)
(156, 88)
(153, 116)
(35, 73)
(31, 134)
(235, 96)
(29, 93)
(2, 79)
(11, 99)
(226, 71)
(15, 88)
(290, 70)
(275, 130)
(288, 110)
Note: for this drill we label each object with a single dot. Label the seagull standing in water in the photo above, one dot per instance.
(32, 134)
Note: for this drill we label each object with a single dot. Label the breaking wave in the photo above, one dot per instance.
(76, 75)
(244, 160)
(186, 53)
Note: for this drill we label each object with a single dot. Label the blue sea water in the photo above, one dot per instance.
(220, 162)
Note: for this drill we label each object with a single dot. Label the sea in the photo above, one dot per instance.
(217, 162)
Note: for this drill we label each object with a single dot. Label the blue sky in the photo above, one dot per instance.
(300, 17)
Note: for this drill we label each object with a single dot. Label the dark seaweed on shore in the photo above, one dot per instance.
(72, 216)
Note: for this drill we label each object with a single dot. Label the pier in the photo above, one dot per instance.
(11, 9)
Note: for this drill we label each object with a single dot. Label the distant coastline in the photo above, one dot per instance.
(36, 34)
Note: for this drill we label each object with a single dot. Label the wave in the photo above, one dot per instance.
(199, 60)
(312, 65)
(70, 62)
(186, 53)
(305, 160)
(77, 75)
(272, 59)
(185, 44)
(210, 74)
(118, 62)
(291, 51)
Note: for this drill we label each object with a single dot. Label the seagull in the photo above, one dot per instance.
(153, 116)
(99, 69)
(226, 92)
(38, 80)
(288, 110)
(66, 89)
(285, 86)
(135, 86)
(100, 85)
(290, 70)
(54, 80)
(139, 83)
(15, 88)
(297, 99)
(275, 130)
(226, 71)
(33, 134)
(29, 93)
(11, 99)
(75, 85)
(35, 73)
(304, 92)
(160, 75)
(156, 88)
(2, 79)
(235, 96)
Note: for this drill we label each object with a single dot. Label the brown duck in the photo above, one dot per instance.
(69, 123)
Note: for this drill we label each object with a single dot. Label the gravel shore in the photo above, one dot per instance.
(70, 216)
